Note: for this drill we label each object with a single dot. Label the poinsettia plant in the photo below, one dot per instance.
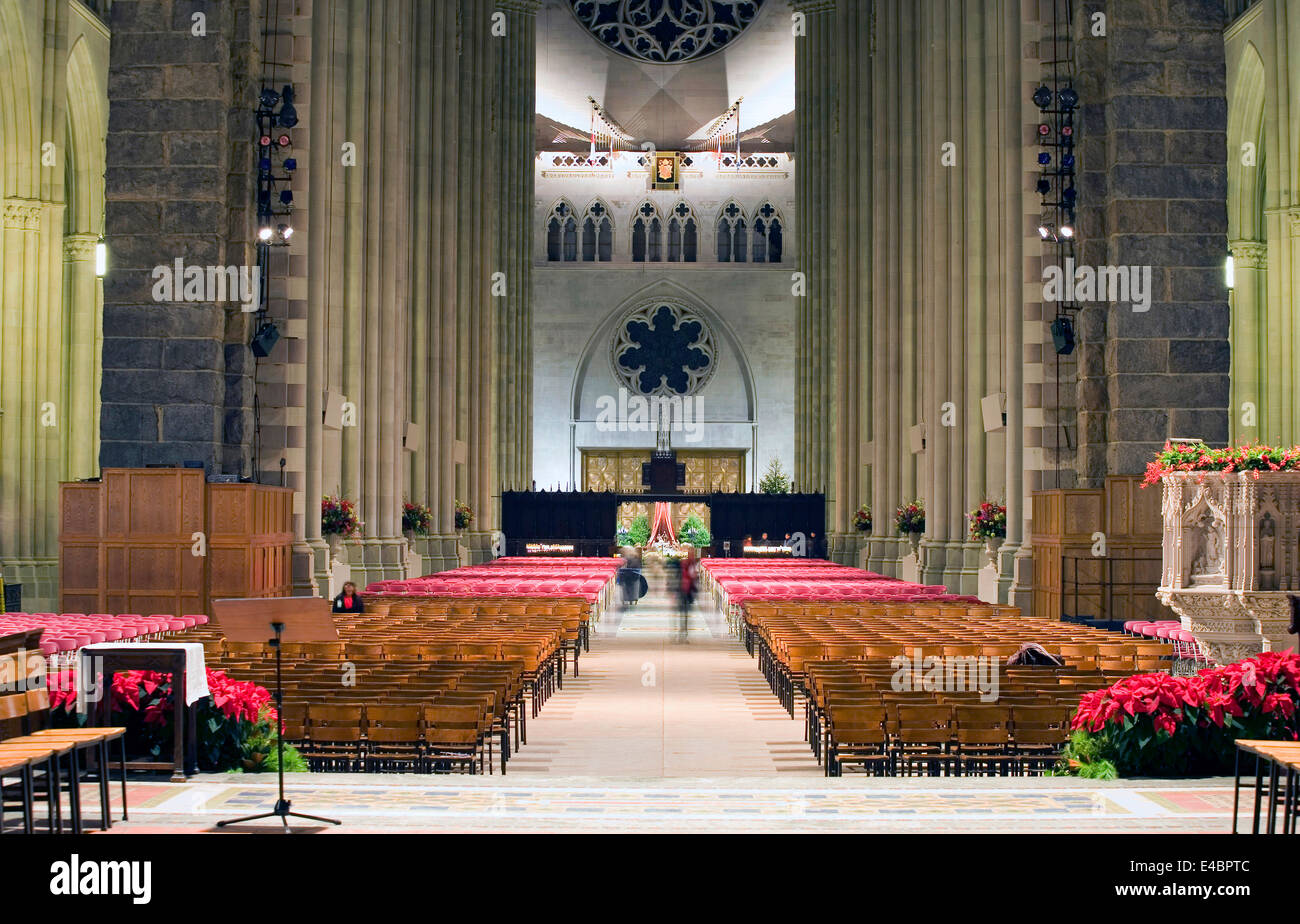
(1196, 456)
(910, 518)
(338, 517)
(988, 521)
(862, 519)
(234, 723)
(464, 515)
(416, 518)
(1159, 724)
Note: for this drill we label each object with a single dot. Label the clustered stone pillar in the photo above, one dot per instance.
(925, 308)
(516, 51)
(816, 148)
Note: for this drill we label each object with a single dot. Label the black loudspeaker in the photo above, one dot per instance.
(1063, 336)
(266, 338)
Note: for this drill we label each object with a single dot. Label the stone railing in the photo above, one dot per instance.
(1231, 558)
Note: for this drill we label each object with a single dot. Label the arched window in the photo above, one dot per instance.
(647, 234)
(732, 234)
(562, 234)
(597, 234)
(681, 234)
(767, 234)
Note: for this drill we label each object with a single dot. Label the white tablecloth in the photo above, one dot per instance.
(196, 674)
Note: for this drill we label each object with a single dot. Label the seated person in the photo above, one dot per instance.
(349, 601)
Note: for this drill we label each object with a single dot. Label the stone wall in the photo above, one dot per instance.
(1153, 195)
(179, 186)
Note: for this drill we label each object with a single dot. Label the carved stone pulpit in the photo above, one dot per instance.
(1231, 558)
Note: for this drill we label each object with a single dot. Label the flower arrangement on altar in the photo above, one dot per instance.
(1198, 457)
(464, 515)
(910, 518)
(862, 519)
(237, 725)
(1159, 724)
(988, 521)
(338, 517)
(416, 518)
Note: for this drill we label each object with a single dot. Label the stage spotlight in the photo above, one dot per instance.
(264, 164)
(286, 196)
(1068, 196)
(1063, 335)
(1067, 131)
(264, 340)
(291, 164)
(288, 116)
(1069, 98)
(1044, 129)
(1067, 231)
(264, 233)
(286, 232)
(1067, 161)
(269, 98)
(264, 141)
(283, 141)
(1044, 158)
(1042, 97)
(1044, 186)
(1044, 232)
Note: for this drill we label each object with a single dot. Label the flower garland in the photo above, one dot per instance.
(1198, 457)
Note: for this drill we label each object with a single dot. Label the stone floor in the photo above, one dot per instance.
(665, 731)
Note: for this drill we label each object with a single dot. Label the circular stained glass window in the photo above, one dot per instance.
(665, 31)
(663, 348)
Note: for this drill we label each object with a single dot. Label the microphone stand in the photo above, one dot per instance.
(281, 810)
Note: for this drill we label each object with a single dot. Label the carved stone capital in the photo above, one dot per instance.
(22, 214)
(1249, 254)
(78, 247)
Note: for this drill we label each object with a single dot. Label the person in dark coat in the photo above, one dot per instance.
(349, 601)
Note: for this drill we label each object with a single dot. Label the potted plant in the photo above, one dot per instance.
(774, 481)
(862, 519)
(636, 533)
(464, 515)
(910, 520)
(988, 521)
(417, 519)
(338, 521)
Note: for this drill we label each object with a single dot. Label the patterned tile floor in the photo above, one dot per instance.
(669, 733)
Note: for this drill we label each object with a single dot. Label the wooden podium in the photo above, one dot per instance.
(163, 540)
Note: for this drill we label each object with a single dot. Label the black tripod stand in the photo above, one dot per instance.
(281, 810)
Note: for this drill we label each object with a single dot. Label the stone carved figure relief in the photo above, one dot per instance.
(1267, 553)
(1203, 540)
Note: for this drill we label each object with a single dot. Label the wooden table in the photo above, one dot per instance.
(1279, 756)
(151, 657)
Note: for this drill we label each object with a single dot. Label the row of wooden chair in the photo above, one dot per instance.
(424, 738)
(945, 739)
(32, 752)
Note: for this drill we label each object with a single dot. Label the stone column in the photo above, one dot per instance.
(816, 147)
(83, 316)
(515, 106)
(1250, 276)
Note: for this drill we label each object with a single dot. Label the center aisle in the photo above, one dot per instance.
(648, 704)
